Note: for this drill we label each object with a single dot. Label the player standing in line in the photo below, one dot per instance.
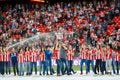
(117, 59)
(98, 64)
(6, 61)
(104, 51)
(1, 62)
(14, 59)
(48, 55)
(21, 62)
(70, 53)
(33, 60)
(90, 58)
(83, 58)
(56, 53)
(109, 60)
(27, 60)
(41, 58)
(64, 61)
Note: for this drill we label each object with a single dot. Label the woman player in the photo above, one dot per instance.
(83, 54)
(56, 53)
(117, 59)
(41, 58)
(1, 62)
(6, 60)
(90, 58)
(21, 62)
(109, 60)
(27, 60)
(104, 51)
(98, 64)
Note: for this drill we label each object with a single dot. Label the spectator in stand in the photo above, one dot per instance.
(27, 20)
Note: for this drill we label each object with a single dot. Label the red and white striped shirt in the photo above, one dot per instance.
(83, 54)
(27, 55)
(6, 56)
(33, 56)
(109, 54)
(57, 54)
(90, 55)
(93, 52)
(103, 56)
(1, 57)
(21, 58)
(117, 56)
(41, 56)
(70, 54)
(98, 54)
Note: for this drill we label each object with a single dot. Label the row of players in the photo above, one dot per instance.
(104, 58)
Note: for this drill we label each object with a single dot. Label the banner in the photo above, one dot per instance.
(37, 1)
(76, 62)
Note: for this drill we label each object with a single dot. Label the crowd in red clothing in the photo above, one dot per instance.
(91, 22)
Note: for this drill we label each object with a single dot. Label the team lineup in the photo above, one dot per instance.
(106, 60)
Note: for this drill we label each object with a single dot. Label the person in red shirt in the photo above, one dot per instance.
(1, 62)
(117, 59)
(70, 53)
(21, 62)
(104, 51)
(6, 61)
(98, 64)
(83, 54)
(41, 58)
(33, 60)
(109, 60)
(27, 60)
(56, 53)
(90, 58)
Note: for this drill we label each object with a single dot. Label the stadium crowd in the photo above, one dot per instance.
(96, 37)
